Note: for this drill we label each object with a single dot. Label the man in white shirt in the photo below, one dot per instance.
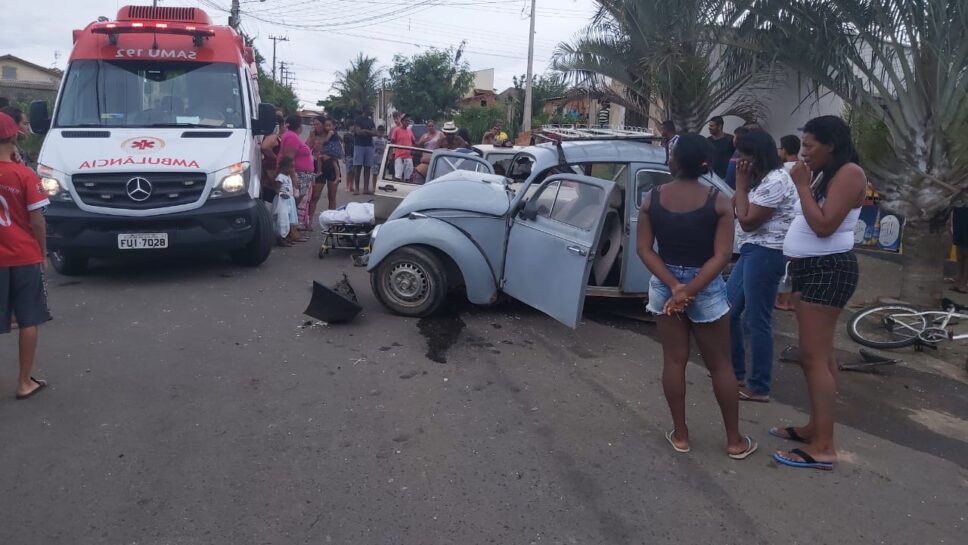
(789, 151)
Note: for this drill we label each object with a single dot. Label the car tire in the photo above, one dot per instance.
(258, 249)
(68, 265)
(410, 282)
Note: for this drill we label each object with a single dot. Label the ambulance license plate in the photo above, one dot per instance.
(143, 241)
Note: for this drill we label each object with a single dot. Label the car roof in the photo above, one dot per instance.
(601, 151)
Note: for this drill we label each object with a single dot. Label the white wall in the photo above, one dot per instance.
(788, 106)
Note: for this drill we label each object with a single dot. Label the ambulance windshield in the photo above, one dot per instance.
(151, 94)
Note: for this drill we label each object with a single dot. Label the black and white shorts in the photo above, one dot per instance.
(825, 280)
(23, 293)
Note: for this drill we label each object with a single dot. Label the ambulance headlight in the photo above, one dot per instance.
(54, 183)
(234, 181)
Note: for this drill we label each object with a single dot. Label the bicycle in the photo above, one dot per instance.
(897, 326)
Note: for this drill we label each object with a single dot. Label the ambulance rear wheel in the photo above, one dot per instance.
(68, 265)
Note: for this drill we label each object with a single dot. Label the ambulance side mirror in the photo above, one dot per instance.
(39, 117)
(266, 122)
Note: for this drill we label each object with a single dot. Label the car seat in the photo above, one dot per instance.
(610, 245)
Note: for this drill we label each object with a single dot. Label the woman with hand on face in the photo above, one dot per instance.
(692, 224)
(823, 267)
(765, 206)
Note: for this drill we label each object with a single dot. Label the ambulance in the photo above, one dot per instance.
(153, 143)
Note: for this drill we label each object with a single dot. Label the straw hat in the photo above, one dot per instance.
(449, 128)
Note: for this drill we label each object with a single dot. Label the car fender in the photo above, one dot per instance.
(444, 237)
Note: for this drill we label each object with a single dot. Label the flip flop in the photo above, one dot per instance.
(751, 447)
(750, 396)
(680, 450)
(41, 384)
(791, 434)
(958, 290)
(807, 463)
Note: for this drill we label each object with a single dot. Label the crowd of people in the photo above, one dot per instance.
(795, 220)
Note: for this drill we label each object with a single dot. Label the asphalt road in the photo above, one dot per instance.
(193, 403)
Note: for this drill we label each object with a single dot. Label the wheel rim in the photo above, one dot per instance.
(890, 325)
(407, 284)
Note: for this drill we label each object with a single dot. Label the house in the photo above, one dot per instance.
(23, 81)
(482, 93)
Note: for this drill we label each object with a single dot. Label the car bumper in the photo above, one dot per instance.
(220, 225)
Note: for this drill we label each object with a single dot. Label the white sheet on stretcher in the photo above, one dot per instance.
(354, 212)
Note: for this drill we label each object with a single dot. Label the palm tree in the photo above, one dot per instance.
(668, 53)
(906, 62)
(359, 85)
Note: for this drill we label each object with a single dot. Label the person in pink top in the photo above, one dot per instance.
(402, 158)
(290, 145)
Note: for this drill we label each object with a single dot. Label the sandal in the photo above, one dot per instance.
(678, 449)
(745, 394)
(41, 384)
(791, 434)
(808, 462)
(751, 447)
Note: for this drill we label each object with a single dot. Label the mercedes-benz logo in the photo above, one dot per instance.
(139, 189)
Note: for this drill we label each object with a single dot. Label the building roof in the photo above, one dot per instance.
(52, 71)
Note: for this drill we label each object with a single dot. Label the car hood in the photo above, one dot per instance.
(481, 193)
(143, 150)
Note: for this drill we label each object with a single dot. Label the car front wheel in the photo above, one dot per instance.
(411, 282)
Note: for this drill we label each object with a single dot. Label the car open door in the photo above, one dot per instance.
(552, 242)
(445, 161)
(390, 190)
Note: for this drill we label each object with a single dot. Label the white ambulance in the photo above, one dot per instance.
(153, 145)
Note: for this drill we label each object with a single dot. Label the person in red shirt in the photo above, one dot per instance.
(23, 247)
(401, 135)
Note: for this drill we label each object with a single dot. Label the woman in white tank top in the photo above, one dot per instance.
(824, 271)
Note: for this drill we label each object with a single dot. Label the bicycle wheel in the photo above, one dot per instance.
(888, 326)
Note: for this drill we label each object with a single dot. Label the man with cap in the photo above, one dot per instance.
(452, 140)
(23, 247)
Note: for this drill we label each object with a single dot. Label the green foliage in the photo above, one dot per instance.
(356, 87)
(430, 85)
(871, 136)
(478, 120)
(278, 95)
(543, 88)
(274, 93)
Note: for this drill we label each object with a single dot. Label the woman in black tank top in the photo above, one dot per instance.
(692, 225)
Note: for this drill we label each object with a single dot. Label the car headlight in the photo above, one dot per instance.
(234, 181)
(53, 183)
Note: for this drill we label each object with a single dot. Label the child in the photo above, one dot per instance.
(379, 148)
(284, 205)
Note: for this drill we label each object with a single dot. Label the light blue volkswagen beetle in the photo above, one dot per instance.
(559, 226)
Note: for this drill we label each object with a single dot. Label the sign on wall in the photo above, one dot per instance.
(877, 228)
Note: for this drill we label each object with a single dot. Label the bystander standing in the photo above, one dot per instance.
(379, 149)
(832, 188)
(363, 151)
(23, 247)
(765, 203)
(723, 146)
(692, 226)
(670, 137)
(402, 158)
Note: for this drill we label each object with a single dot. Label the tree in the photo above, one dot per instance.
(904, 63)
(430, 85)
(355, 87)
(670, 53)
(280, 96)
(478, 120)
(543, 88)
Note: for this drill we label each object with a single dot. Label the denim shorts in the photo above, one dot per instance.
(362, 156)
(710, 304)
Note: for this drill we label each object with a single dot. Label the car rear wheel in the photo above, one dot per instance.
(67, 265)
(410, 282)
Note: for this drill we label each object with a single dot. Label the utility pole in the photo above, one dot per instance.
(274, 40)
(234, 15)
(528, 84)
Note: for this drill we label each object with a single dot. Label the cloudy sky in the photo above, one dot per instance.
(325, 34)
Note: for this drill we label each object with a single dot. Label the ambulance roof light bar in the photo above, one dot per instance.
(114, 28)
